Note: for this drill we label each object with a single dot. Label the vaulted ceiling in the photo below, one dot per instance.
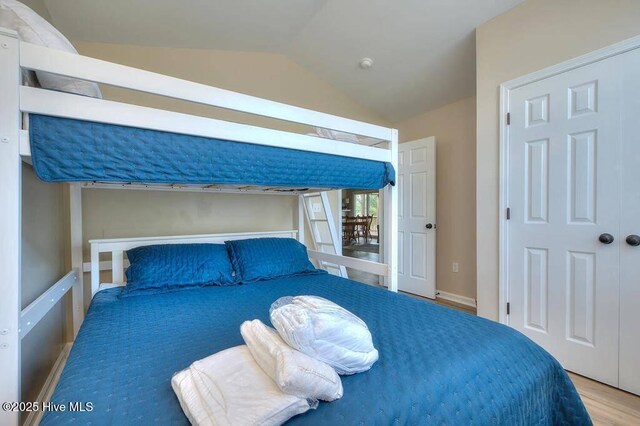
(423, 50)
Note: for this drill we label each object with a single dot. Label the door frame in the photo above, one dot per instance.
(504, 137)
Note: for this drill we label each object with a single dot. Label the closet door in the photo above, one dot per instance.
(630, 225)
(564, 241)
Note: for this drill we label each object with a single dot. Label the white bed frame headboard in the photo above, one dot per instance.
(118, 246)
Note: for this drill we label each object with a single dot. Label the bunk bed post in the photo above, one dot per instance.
(95, 268)
(10, 223)
(77, 293)
(390, 217)
(301, 222)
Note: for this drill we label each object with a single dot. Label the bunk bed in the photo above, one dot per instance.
(436, 365)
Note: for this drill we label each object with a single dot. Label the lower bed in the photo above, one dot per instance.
(437, 365)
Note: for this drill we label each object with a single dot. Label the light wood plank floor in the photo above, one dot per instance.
(606, 405)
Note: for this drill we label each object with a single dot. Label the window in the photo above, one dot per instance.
(367, 205)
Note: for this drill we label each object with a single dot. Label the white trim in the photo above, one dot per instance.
(58, 104)
(32, 314)
(580, 61)
(10, 224)
(351, 262)
(456, 298)
(503, 200)
(505, 90)
(49, 386)
(72, 65)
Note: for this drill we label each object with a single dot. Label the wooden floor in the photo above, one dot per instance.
(606, 405)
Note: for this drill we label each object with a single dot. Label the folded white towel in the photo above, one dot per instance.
(325, 331)
(229, 388)
(294, 372)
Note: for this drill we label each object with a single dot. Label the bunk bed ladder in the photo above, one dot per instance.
(323, 229)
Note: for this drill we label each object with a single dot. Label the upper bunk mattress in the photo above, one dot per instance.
(437, 365)
(69, 150)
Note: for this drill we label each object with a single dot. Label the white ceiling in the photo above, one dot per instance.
(423, 50)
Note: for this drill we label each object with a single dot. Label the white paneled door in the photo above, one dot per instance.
(630, 225)
(573, 198)
(416, 217)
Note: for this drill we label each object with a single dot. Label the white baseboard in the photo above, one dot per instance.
(455, 298)
(34, 417)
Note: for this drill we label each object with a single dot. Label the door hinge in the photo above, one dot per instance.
(508, 118)
(508, 308)
(508, 213)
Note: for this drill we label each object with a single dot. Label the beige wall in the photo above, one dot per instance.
(267, 75)
(454, 127)
(110, 213)
(532, 36)
(39, 7)
(43, 263)
(116, 213)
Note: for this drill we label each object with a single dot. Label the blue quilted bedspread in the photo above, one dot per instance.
(67, 150)
(437, 365)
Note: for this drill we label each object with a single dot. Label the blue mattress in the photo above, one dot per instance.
(68, 150)
(437, 365)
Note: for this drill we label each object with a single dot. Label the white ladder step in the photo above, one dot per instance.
(311, 201)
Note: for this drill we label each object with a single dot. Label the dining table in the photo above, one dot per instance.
(354, 227)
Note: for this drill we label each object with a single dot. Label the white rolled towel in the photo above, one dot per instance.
(294, 372)
(229, 388)
(325, 331)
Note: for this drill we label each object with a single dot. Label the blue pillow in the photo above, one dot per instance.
(166, 267)
(264, 258)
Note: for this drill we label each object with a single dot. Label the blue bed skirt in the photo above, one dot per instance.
(68, 150)
(437, 365)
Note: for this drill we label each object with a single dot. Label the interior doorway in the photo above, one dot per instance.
(361, 229)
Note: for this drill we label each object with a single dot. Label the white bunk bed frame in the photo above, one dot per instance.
(17, 101)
